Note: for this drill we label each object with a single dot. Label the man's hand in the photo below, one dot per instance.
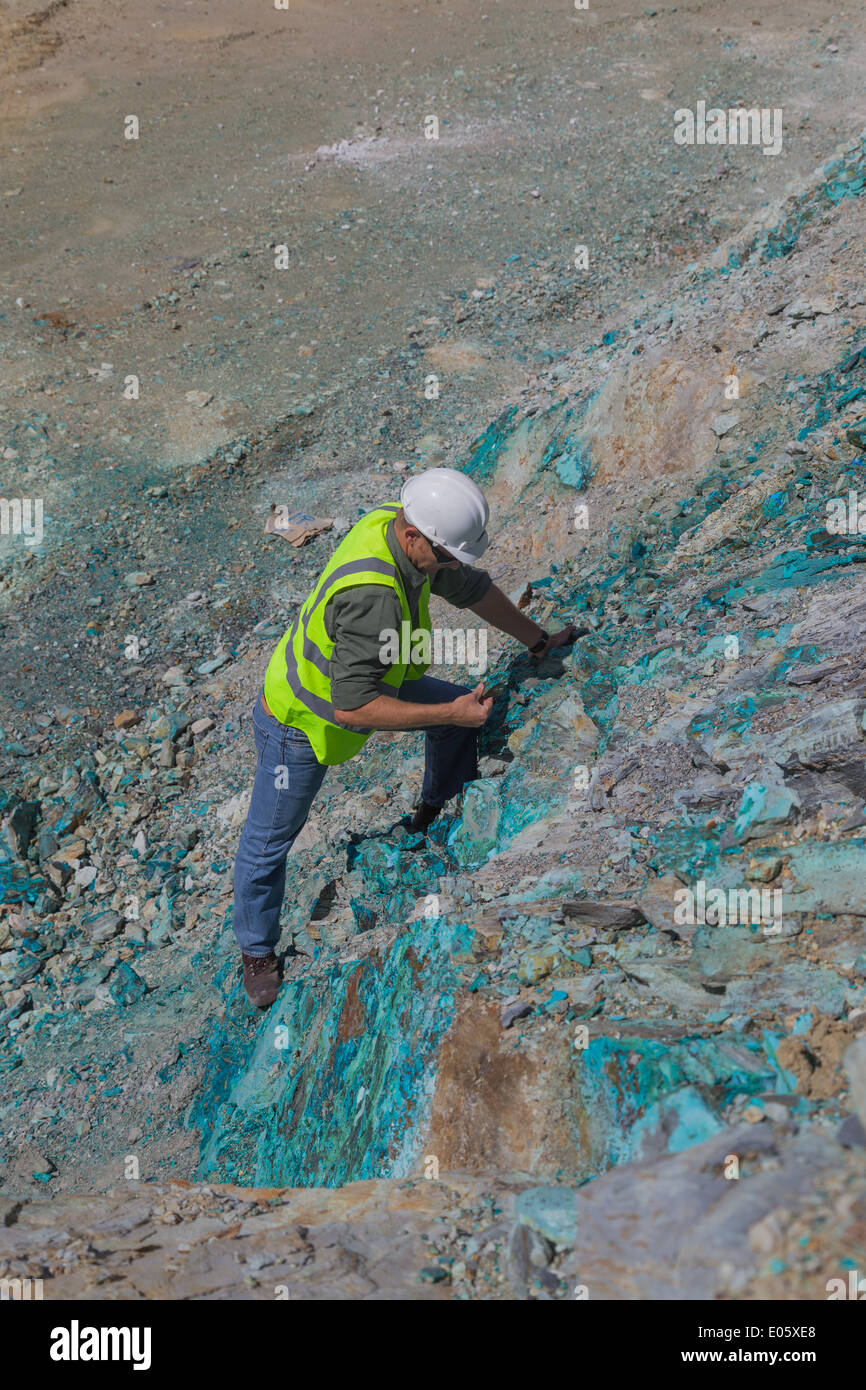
(471, 710)
(564, 638)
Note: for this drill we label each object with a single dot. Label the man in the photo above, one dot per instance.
(328, 686)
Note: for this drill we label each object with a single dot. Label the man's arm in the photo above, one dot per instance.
(469, 710)
(498, 610)
(355, 619)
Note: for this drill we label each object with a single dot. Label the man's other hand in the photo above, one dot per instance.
(564, 638)
(471, 710)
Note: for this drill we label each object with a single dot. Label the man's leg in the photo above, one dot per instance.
(451, 751)
(287, 779)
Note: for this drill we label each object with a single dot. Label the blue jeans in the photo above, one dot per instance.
(288, 777)
(450, 751)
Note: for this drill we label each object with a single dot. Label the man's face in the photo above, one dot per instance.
(425, 556)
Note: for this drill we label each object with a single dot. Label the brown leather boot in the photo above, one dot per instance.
(261, 979)
(424, 816)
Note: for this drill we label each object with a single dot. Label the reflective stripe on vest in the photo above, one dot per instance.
(297, 681)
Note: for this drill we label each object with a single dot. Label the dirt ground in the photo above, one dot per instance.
(148, 264)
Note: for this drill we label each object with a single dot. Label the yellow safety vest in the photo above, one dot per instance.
(298, 681)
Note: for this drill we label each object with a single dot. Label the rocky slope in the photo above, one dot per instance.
(504, 1063)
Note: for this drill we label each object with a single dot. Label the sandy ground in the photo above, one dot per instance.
(153, 258)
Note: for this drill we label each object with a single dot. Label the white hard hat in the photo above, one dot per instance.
(450, 510)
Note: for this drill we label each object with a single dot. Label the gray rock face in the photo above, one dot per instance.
(680, 1228)
(722, 1220)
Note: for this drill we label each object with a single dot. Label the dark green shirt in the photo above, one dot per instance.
(356, 618)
